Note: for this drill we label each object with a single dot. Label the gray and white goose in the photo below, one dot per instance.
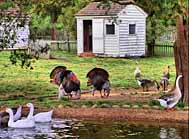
(144, 83)
(164, 82)
(172, 98)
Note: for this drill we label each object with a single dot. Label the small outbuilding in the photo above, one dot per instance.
(116, 31)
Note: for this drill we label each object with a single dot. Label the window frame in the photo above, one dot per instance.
(130, 24)
(114, 29)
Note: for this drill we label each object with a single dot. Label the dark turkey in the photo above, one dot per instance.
(99, 79)
(67, 81)
(55, 75)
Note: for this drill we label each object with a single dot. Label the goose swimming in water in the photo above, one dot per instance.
(172, 98)
(40, 117)
(4, 117)
(25, 123)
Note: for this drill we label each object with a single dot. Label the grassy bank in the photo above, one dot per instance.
(18, 86)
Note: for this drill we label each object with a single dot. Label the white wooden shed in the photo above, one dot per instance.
(119, 31)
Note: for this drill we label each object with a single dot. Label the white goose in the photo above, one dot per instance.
(137, 73)
(25, 123)
(172, 98)
(4, 117)
(18, 113)
(40, 117)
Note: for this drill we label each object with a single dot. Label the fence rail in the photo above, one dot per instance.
(163, 50)
(63, 45)
(159, 49)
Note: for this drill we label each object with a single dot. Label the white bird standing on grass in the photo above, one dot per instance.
(137, 72)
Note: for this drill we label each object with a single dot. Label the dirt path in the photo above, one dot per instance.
(128, 95)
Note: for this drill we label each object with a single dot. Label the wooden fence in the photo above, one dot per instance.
(163, 50)
(63, 45)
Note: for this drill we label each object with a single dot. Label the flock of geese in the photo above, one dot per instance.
(16, 121)
(171, 98)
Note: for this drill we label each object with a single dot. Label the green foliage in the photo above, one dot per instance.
(5, 5)
(154, 103)
(24, 59)
(101, 102)
(40, 23)
(181, 104)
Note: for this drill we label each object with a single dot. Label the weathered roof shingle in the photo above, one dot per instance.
(94, 8)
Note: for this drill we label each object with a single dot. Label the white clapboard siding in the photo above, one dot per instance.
(132, 45)
(111, 41)
(98, 36)
(80, 36)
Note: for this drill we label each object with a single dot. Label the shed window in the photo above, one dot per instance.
(110, 29)
(132, 28)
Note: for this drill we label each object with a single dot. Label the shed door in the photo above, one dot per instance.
(98, 36)
(79, 36)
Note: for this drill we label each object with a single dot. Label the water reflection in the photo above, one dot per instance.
(73, 129)
(57, 129)
(169, 133)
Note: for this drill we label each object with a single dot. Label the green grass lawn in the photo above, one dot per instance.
(18, 85)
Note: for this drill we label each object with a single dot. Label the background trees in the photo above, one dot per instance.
(51, 8)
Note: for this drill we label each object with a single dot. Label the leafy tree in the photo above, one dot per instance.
(52, 8)
(68, 18)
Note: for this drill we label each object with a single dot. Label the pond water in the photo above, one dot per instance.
(73, 129)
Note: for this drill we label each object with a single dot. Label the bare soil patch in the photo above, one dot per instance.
(128, 95)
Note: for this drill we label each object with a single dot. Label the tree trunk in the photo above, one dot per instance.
(53, 30)
(53, 33)
(151, 48)
(181, 58)
(68, 41)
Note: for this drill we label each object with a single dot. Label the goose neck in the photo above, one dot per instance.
(11, 117)
(177, 86)
(177, 81)
(30, 115)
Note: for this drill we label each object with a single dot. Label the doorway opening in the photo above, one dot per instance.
(87, 26)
